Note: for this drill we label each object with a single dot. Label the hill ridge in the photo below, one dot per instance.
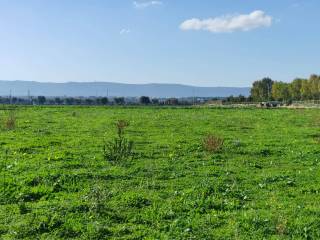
(86, 89)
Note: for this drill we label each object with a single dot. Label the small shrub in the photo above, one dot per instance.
(10, 120)
(120, 148)
(212, 143)
(97, 198)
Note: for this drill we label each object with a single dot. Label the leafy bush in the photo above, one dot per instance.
(120, 148)
(212, 143)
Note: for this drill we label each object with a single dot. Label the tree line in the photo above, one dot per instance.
(143, 100)
(297, 90)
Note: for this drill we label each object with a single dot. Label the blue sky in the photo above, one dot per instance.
(204, 43)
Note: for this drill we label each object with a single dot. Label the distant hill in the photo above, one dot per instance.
(86, 89)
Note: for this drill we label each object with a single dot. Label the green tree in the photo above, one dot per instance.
(104, 101)
(280, 91)
(41, 100)
(69, 101)
(58, 100)
(314, 85)
(119, 100)
(262, 90)
(144, 100)
(295, 89)
(305, 90)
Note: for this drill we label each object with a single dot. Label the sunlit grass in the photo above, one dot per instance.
(263, 183)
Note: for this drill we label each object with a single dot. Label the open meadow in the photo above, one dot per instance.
(262, 183)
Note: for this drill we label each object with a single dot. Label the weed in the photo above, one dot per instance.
(10, 120)
(212, 143)
(281, 226)
(96, 198)
(120, 148)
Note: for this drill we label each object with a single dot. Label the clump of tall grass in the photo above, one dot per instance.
(212, 143)
(120, 148)
(10, 120)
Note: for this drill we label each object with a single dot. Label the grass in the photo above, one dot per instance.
(263, 184)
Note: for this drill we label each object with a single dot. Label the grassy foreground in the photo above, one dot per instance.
(264, 183)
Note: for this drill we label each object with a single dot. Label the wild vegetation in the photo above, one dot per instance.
(212, 143)
(120, 148)
(9, 119)
(261, 182)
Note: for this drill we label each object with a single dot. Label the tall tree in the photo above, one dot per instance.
(305, 90)
(262, 90)
(314, 85)
(280, 91)
(104, 101)
(295, 89)
(41, 100)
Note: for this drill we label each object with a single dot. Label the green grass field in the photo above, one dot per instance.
(263, 184)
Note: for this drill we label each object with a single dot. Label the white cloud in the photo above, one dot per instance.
(229, 23)
(141, 5)
(125, 31)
